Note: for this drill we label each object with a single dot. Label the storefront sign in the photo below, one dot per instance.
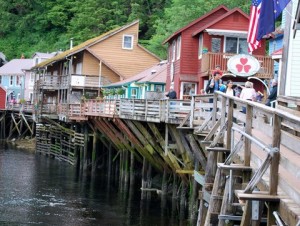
(243, 65)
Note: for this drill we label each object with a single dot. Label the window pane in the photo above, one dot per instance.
(231, 45)
(216, 45)
(127, 42)
(243, 46)
(200, 45)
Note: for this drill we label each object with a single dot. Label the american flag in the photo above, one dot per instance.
(253, 26)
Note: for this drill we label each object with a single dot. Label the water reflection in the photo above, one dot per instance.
(38, 190)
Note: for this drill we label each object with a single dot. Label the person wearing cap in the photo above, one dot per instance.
(172, 93)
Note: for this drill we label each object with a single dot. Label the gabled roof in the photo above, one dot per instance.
(221, 18)
(16, 67)
(84, 45)
(195, 21)
(154, 74)
(44, 55)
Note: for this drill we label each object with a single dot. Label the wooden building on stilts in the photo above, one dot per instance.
(227, 166)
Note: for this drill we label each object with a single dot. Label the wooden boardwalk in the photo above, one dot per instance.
(251, 160)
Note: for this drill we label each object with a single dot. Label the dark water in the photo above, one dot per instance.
(37, 190)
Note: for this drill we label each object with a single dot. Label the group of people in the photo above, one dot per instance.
(246, 92)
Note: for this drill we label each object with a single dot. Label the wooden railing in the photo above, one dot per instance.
(277, 133)
(20, 107)
(210, 60)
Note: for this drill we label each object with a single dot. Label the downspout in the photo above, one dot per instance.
(100, 77)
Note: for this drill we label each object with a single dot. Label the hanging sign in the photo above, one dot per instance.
(243, 65)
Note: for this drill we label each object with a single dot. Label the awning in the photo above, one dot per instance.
(230, 33)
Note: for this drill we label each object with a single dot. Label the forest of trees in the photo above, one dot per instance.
(29, 26)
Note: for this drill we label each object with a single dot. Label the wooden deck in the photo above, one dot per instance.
(263, 142)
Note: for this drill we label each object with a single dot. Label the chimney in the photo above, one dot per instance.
(71, 43)
(22, 56)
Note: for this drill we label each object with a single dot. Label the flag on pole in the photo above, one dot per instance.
(262, 20)
(253, 25)
(270, 10)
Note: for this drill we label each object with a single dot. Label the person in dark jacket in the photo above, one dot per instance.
(273, 93)
(215, 83)
(172, 93)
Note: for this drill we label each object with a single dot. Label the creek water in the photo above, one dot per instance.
(38, 190)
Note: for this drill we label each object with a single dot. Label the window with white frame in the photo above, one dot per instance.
(158, 88)
(236, 45)
(134, 93)
(127, 42)
(200, 49)
(178, 47)
(11, 80)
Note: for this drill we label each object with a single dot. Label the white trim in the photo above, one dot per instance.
(173, 51)
(178, 47)
(231, 33)
(200, 46)
(123, 41)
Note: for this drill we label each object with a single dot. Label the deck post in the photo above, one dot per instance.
(94, 151)
(144, 179)
(85, 150)
(194, 197)
(248, 128)
(229, 123)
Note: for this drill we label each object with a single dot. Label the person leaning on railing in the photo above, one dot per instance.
(172, 93)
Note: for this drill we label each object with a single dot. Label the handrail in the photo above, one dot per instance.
(260, 144)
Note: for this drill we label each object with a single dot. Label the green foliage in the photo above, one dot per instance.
(47, 25)
(120, 91)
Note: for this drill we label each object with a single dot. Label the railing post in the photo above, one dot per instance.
(168, 110)
(276, 138)
(146, 108)
(248, 128)
(192, 111)
(229, 123)
(215, 106)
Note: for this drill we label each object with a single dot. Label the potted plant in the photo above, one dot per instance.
(120, 91)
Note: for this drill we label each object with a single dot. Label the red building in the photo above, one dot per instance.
(2, 98)
(196, 49)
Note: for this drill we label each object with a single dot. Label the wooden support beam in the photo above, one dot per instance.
(22, 115)
(238, 167)
(200, 156)
(246, 218)
(144, 142)
(215, 202)
(218, 149)
(16, 124)
(162, 142)
(212, 131)
(258, 195)
(185, 144)
(180, 147)
(115, 141)
(138, 145)
(156, 146)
